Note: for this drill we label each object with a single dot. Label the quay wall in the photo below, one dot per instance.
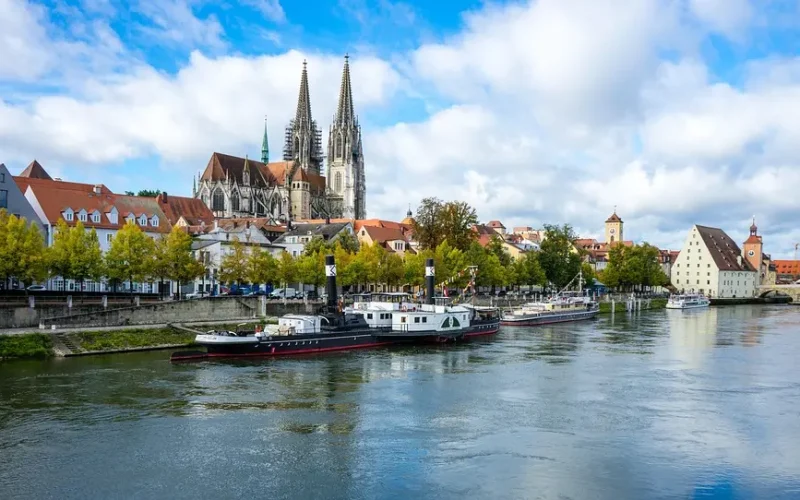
(185, 311)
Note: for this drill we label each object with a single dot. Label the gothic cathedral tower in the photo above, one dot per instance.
(303, 140)
(345, 176)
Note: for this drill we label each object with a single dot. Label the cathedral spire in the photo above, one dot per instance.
(303, 115)
(345, 113)
(265, 145)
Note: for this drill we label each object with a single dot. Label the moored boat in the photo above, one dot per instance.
(330, 330)
(688, 301)
(565, 306)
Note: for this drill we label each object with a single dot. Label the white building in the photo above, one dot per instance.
(97, 208)
(296, 238)
(711, 263)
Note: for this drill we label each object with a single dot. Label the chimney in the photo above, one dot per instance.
(97, 189)
(330, 285)
(164, 197)
(57, 179)
(429, 279)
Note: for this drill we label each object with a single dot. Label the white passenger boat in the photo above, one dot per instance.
(563, 307)
(687, 301)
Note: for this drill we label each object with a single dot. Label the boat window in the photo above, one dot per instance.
(416, 319)
(456, 324)
(446, 323)
(424, 319)
(369, 316)
(402, 319)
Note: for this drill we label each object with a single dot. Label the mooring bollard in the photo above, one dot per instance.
(136, 301)
(105, 301)
(32, 302)
(69, 301)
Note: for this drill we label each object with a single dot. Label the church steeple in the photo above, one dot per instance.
(303, 140)
(265, 144)
(345, 113)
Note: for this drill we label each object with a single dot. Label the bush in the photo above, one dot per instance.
(29, 345)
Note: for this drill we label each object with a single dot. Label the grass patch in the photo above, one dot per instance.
(134, 337)
(621, 306)
(28, 345)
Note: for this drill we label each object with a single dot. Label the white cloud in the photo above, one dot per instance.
(23, 57)
(552, 111)
(270, 9)
(728, 17)
(174, 21)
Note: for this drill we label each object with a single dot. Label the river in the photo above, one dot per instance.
(662, 404)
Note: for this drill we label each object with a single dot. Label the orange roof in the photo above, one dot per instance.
(753, 239)
(257, 222)
(55, 197)
(383, 234)
(35, 171)
(24, 182)
(614, 218)
(193, 210)
(787, 267)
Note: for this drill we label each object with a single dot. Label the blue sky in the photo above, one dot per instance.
(675, 111)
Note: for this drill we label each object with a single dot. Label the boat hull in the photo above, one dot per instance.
(546, 319)
(433, 336)
(682, 306)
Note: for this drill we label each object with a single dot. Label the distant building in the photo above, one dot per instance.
(13, 200)
(497, 226)
(711, 263)
(185, 212)
(390, 238)
(788, 271)
(614, 226)
(294, 240)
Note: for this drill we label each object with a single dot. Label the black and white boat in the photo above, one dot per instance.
(330, 330)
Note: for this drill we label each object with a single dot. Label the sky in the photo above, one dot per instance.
(672, 112)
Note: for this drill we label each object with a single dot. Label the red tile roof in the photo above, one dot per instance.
(257, 222)
(193, 210)
(56, 196)
(791, 267)
(35, 171)
(383, 234)
(614, 218)
(222, 166)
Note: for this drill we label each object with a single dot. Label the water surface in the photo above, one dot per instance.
(669, 404)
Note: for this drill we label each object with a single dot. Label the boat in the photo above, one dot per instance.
(687, 301)
(435, 320)
(563, 307)
(331, 329)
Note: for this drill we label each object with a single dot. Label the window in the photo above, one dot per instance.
(96, 217)
(3, 178)
(424, 319)
(369, 316)
(708, 282)
(446, 323)
(698, 282)
(402, 319)
(3, 198)
(235, 201)
(109, 237)
(143, 220)
(337, 182)
(218, 201)
(154, 221)
(416, 319)
(708, 265)
(456, 324)
(68, 216)
(82, 216)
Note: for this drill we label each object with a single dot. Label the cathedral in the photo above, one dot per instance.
(294, 189)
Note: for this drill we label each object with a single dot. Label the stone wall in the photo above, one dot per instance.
(186, 311)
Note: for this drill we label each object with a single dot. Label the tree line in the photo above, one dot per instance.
(75, 254)
(633, 268)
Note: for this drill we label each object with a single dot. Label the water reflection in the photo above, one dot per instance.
(642, 406)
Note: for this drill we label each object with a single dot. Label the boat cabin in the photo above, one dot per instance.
(378, 308)
(431, 317)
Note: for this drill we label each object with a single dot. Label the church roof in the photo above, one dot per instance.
(222, 166)
(725, 252)
(35, 171)
(614, 218)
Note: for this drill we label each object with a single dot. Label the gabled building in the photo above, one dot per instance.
(13, 200)
(711, 263)
(294, 240)
(391, 239)
(185, 212)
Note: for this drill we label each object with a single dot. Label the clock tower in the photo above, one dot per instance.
(614, 228)
(753, 251)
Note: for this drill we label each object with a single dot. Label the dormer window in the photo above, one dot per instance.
(68, 215)
(96, 217)
(82, 216)
(130, 217)
(142, 220)
(154, 221)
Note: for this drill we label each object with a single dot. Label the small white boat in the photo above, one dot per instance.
(687, 301)
(563, 307)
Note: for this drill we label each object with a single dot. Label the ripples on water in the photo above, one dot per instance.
(670, 404)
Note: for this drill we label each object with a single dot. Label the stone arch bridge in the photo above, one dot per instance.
(770, 290)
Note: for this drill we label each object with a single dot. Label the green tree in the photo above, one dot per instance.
(311, 269)
(528, 271)
(180, 265)
(347, 241)
(22, 251)
(130, 257)
(287, 269)
(149, 193)
(234, 264)
(557, 256)
(414, 269)
(437, 221)
(262, 267)
(76, 253)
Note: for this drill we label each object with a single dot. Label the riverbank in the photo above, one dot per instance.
(622, 306)
(94, 341)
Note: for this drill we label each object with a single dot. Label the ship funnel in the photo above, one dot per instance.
(330, 285)
(430, 272)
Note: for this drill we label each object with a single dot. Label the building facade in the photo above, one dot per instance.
(294, 189)
(711, 263)
(13, 200)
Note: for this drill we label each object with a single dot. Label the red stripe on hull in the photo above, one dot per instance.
(537, 323)
(481, 334)
(296, 351)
